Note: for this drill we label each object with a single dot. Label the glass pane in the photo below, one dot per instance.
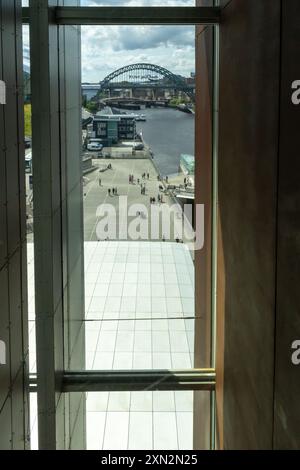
(138, 156)
(161, 420)
(142, 342)
(30, 228)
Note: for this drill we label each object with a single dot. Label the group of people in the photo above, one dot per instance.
(160, 178)
(159, 199)
(131, 179)
(144, 176)
(112, 192)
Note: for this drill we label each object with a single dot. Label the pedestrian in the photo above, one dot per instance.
(108, 191)
(113, 191)
(99, 181)
(158, 198)
(138, 181)
(184, 181)
(167, 179)
(116, 191)
(148, 176)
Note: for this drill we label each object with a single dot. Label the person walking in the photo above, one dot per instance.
(108, 191)
(99, 181)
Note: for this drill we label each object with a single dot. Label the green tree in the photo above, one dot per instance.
(92, 106)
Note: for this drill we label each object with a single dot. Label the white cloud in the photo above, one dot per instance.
(107, 48)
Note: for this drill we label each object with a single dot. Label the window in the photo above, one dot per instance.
(139, 272)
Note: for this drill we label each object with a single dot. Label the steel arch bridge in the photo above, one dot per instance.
(143, 75)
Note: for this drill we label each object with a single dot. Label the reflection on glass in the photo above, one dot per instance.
(161, 420)
(137, 3)
(138, 163)
(29, 227)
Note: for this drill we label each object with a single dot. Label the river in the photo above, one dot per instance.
(169, 133)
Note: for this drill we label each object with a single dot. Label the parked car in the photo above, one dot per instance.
(27, 142)
(28, 162)
(94, 146)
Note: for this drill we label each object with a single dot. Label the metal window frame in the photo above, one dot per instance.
(139, 380)
(131, 15)
(130, 380)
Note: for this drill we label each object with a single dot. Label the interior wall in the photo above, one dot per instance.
(248, 159)
(203, 195)
(14, 412)
(287, 374)
(258, 227)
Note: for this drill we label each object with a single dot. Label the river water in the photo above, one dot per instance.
(169, 133)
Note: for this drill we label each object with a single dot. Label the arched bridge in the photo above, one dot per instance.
(143, 75)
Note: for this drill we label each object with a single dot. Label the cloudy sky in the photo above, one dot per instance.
(106, 48)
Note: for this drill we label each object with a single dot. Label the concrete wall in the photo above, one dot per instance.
(287, 375)
(258, 226)
(203, 195)
(14, 414)
(248, 153)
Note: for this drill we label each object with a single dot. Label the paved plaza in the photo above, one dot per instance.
(97, 185)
